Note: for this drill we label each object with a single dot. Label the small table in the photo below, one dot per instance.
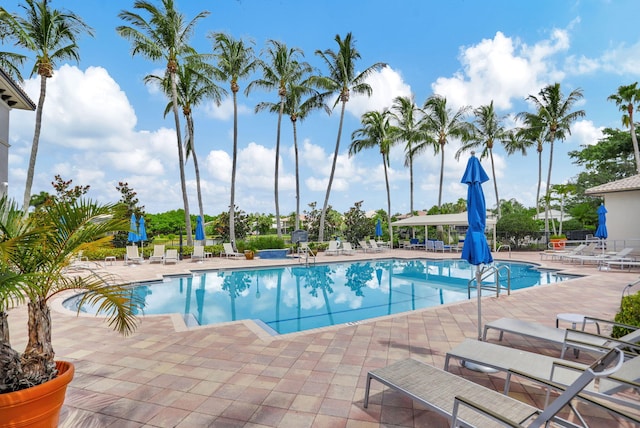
(110, 260)
(575, 319)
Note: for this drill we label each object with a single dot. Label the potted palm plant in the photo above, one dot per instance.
(35, 250)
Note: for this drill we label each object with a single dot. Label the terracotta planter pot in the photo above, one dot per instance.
(558, 244)
(38, 406)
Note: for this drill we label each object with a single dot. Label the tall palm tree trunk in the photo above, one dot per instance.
(634, 140)
(295, 150)
(547, 198)
(34, 145)
(183, 181)
(539, 179)
(232, 220)
(495, 183)
(196, 167)
(441, 174)
(277, 169)
(333, 170)
(386, 179)
(413, 229)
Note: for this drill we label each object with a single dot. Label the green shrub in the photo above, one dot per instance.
(266, 243)
(629, 314)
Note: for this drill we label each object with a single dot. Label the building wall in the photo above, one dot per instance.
(4, 147)
(622, 215)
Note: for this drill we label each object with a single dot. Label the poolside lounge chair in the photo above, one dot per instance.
(601, 258)
(568, 338)
(198, 253)
(430, 245)
(132, 255)
(171, 256)
(440, 246)
(347, 249)
(558, 254)
(374, 245)
(158, 254)
(503, 358)
(333, 249)
(365, 247)
(229, 251)
(470, 404)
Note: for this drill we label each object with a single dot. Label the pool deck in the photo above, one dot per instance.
(236, 375)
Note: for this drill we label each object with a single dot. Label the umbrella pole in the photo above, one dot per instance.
(479, 288)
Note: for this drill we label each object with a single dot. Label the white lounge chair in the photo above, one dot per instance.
(347, 249)
(171, 256)
(132, 255)
(229, 252)
(333, 249)
(374, 246)
(504, 358)
(467, 403)
(158, 254)
(603, 258)
(365, 247)
(198, 253)
(568, 338)
(557, 254)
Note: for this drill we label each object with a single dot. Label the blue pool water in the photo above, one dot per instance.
(296, 298)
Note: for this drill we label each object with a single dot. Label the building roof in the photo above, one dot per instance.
(623, 185)
(459, 219)
(13, 95)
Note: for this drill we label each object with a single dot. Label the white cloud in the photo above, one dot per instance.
(224, 111)
(585, 133)
(386, 85)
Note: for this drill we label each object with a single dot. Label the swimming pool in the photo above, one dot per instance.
(296, 298)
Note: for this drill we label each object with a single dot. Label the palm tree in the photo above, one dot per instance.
(376, 132)
(533, 132)
(486, 130)
(441, 123)
(554, 112)
(341, 80)
(194, 86)
(235, 61)
(627, 97)
(164, 36)
(51, 35)
(282, 68)
(409, 130)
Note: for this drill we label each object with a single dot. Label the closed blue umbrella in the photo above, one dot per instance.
(476, 249)
(199, 229)
(142, 231)
(379, 228)
(601, 231)
(133, 230)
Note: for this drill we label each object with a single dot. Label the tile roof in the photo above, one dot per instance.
(623, 185)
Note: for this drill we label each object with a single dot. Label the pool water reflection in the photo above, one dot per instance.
(290, 299)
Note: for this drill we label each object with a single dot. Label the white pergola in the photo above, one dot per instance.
(459, 219)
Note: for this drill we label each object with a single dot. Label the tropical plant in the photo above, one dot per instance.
(357, 225)
(35, 250)
(51, 35)
(409, 130)
(341, 80)
(376, 132)
(485, 131)
(165, 36)
(627, 97)
(280, 70)
(562, 191)
(235, 61)
(555, 115)
(194, 86)
(441, 123)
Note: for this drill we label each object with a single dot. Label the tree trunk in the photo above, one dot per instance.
(333, 170)
(386, 179)
(495, 183)
(634, 140)
(34, 145)
(547, 198)
(4, 328)
(295, 150)
(196, 167)
(37, 360)
(232, 211)
(277, 169)
(413, 230)
(441, 175)
(183, 180)
(539, 179)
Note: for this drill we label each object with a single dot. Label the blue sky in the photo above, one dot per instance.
(102, 125)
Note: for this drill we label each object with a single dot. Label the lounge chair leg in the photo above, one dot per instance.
(366, 391)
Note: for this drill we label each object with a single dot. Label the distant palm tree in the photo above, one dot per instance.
(442, 123)
(194, 86)
(376, 132)
(627, 98)
(554, 112)
(51, 35)
(281, 69)
(532, 132)
(164, 36)
(235, 61)
(405, 112)
(341, 80)
(486, 130)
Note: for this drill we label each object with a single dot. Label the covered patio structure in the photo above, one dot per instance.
(459, 219)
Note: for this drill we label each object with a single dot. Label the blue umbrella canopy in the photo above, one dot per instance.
(601, 231)
(142, 230)
(379, 228)
(476, 249)
(133, 230)
(199, 229)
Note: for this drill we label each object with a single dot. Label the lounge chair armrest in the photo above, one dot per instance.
(610, 322)
(546, 382)
(571, 341)
(458, 401)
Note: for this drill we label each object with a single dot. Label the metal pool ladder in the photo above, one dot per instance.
(306, 253)
(497, 287)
